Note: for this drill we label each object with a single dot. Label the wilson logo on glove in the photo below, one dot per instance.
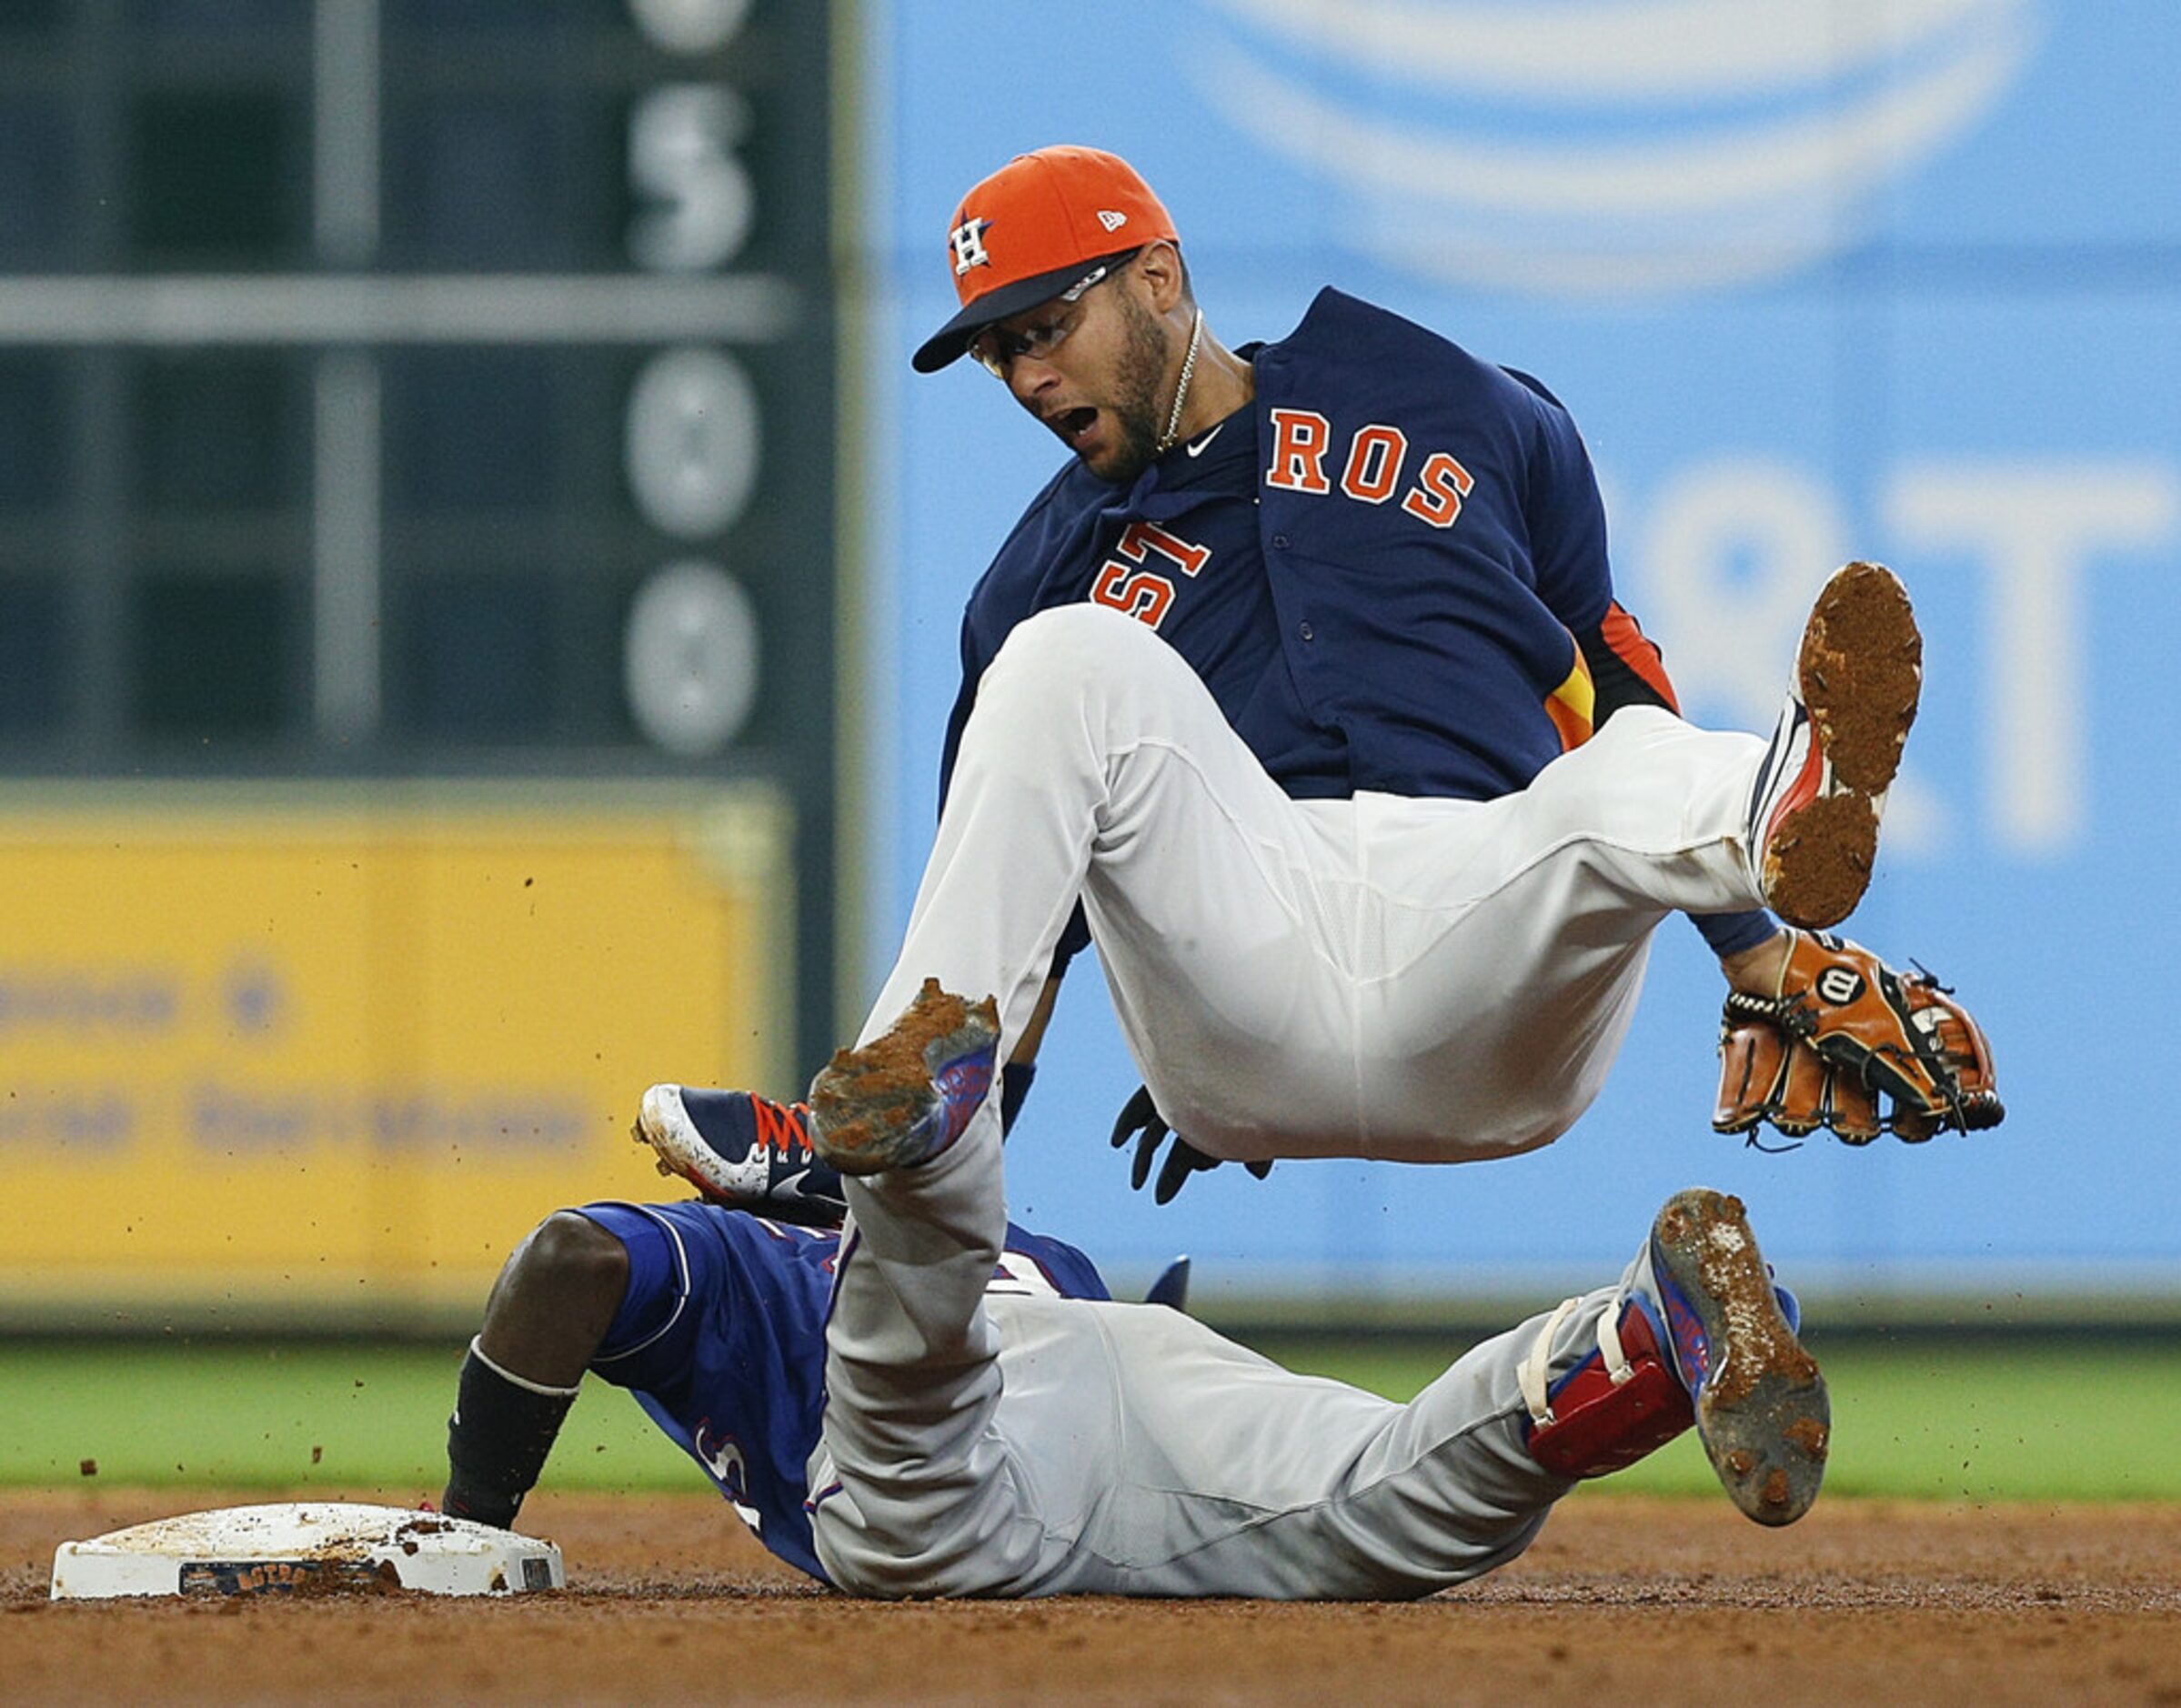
(1839, 986)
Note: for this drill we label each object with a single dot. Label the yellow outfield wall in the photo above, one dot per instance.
(299, 1051)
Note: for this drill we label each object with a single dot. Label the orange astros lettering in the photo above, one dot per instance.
(1436, 497)
(1374, 461)
(1140, 593)
(1300, 438)
(1376, 458)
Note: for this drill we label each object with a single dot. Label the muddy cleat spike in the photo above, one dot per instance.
(1761, 1408)
(907, 1095)
(1813, 813)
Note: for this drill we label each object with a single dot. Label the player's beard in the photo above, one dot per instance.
(1137, 378)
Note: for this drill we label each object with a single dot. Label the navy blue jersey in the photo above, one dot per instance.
(721, 1339)
(1380, 568)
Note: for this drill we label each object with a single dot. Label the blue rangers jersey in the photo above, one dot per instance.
(721, 1339)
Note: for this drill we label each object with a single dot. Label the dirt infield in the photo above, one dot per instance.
(1622, 1601)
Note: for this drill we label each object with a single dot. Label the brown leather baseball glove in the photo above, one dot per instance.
(1845, 1031)
(1768, 1075)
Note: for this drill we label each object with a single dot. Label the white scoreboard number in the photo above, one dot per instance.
(694, 434)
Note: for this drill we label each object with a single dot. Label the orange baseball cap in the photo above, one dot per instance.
(1032, 230)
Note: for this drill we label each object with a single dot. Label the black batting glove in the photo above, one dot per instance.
(1139, 1119)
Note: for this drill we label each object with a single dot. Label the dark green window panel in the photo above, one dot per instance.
(524, 19)
(220, 175)
(214, 655)
(33, 656)
(37, 180)
(223, 429)
(30, 19)
(479, 657)
(489, 181)
(471, 429)
(196, 19)
(32, 432)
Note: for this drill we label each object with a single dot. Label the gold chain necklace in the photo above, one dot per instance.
(1188, 372)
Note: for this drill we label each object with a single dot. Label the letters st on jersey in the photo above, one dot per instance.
(1139, 580)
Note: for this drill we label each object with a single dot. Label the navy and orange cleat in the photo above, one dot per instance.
(909, 1093)
(1813, 811)
(1717, 1348)
(742, 1150)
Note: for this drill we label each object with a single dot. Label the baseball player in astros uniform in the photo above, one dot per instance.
(1292, 690)
(980, 1418)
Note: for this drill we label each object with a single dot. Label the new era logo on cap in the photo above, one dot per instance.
(1034, 229)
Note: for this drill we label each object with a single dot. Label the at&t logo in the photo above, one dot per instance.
(1609, 148)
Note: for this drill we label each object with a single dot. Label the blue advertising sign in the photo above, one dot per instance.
(1885, 279)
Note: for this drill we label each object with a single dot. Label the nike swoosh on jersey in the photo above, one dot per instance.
(1195, 448)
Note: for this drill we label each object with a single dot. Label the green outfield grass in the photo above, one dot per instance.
(1982, 1420)
(1979, 1420)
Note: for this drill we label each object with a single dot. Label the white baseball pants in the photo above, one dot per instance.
(1004, 1446)
(1420, 980)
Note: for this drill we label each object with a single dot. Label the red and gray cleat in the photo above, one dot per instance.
(742, 1150)
(1726, 1357)
(909, 1093)
(1812, 828)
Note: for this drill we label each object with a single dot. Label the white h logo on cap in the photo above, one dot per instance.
(967, 239)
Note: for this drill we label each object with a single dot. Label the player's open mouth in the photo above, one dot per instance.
(1072, 424)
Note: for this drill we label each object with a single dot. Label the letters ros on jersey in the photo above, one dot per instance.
(1595, 149)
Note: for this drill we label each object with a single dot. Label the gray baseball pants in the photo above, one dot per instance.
(980, 1445)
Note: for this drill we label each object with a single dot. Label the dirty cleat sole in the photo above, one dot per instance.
(908, 1094)
(1822, 789)
(1761, 1410)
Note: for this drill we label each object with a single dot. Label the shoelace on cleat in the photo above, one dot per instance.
(784, 1128)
